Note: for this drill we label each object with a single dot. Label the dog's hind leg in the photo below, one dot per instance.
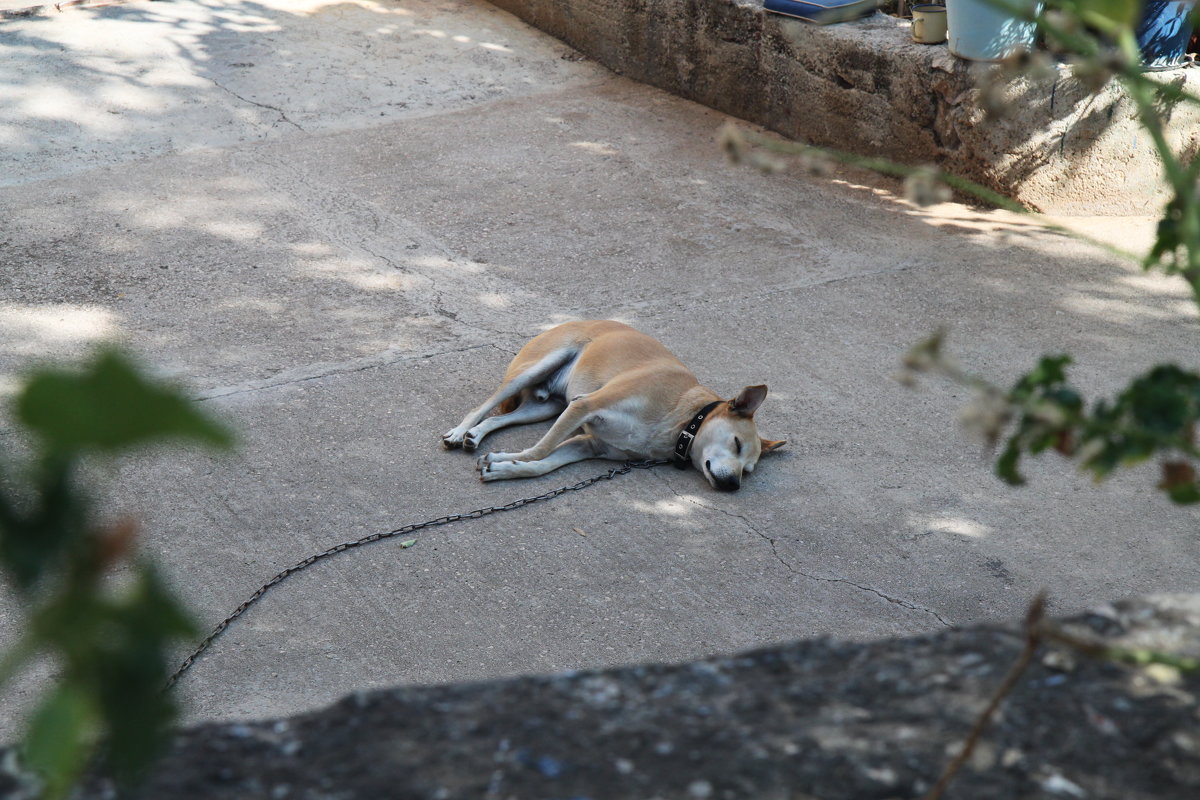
(591, 408)
(514, 383)
(572, 418)
(577, 448)
(530, 410)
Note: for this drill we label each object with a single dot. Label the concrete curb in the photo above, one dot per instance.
(821, 718)
(865, 87)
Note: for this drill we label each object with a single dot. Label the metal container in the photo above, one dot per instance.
(1163, 33)
(990, 30)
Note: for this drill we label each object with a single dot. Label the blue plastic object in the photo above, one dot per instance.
(822, 12)
(1163, 33)
(982, 30)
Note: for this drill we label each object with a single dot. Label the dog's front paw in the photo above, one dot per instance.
(496, 470)
(453, 439)
(470, 441)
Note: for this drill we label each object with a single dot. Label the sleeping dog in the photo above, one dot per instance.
(618, 394)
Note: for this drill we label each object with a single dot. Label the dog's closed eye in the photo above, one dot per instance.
(738, 444)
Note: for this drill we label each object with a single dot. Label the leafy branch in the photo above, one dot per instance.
(1033, 640)
(924, 185)
(100, 611)
(1154, 416)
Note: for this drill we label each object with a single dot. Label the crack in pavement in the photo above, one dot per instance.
(341, 368)
(391, 262)
(792, 568)
(282, 115)
(685, 300)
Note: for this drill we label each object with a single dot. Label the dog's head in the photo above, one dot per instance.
(727, 445)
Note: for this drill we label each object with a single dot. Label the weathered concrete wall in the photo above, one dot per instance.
(817, 719)
(864, 86)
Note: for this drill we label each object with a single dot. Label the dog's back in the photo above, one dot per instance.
(593, 352)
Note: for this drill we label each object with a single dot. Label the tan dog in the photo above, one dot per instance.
(630, 398)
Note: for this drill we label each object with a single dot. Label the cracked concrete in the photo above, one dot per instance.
(343, 289)
(283, 117)
(792, 567)
(314, 372)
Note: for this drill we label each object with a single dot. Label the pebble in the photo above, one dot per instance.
(1057, 784)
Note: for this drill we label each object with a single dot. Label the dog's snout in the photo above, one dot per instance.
(723, 481)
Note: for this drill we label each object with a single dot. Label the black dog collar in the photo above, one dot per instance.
(683, 445)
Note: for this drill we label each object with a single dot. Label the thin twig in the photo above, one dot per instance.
(885, 167)
(1033, 638)
(1098, 650)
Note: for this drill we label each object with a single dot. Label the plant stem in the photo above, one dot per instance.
(1033, 619)
(964, 185)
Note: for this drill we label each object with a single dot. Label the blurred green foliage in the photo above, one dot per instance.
(97, 609)
(1155, 415)
(1107, 16)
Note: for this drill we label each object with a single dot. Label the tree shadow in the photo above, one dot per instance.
(103, 86)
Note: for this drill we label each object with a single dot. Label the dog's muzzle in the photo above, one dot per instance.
(725, 483)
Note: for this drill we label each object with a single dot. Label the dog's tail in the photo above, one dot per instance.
(509, 405)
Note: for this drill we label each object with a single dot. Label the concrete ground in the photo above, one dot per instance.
(335, 222)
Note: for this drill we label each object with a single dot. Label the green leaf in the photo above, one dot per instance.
(408, 543)
(1184, 494)
(156, 611)
(1169, 236)
(1006, 465)
(110, 407)
(40, 540)
(1049, 372)
(59, 739)
(1110, 15)
(142, 624)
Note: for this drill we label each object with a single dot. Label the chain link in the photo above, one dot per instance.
(628, 467)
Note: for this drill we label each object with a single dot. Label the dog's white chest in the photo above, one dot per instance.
(624, 429)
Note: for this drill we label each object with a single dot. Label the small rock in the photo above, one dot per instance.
(548, 766)
(983, 758)
(1163, 674)
(1059, 661)
(1057, 784)
(885, 775)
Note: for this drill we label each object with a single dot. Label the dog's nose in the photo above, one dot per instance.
(727, 484)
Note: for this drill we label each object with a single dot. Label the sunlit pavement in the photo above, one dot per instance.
(335, 222)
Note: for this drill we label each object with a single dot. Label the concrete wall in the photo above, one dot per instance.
(864, 86)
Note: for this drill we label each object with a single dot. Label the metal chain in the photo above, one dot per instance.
(628, 467)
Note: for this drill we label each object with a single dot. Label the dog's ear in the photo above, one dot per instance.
(746, 403)
(769, 445)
